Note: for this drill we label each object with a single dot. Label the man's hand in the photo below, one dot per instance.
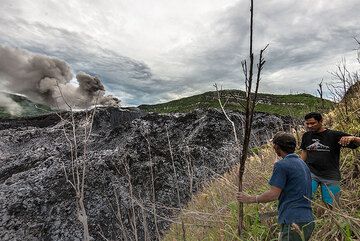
(270, 195)
(245, 198)
(345, 140)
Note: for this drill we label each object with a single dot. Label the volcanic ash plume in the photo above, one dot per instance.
(47, 80)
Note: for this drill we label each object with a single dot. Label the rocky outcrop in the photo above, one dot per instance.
(129, 157)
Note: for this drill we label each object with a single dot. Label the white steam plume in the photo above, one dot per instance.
(10, 105)
(47, 80)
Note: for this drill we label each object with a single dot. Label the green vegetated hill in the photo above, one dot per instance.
(293, 104)
(28, 108)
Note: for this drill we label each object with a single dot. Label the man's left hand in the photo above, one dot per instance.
(345, 140)
(245, 198)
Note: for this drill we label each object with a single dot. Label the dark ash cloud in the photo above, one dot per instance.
(46, 80)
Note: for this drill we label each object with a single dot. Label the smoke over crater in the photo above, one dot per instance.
(46, 80)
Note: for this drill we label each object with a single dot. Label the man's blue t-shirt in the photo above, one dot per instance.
(292, 175)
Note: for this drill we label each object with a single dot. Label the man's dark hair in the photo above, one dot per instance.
(285, 141)
(316, 115)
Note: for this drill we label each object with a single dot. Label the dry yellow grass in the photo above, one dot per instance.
(212, 214)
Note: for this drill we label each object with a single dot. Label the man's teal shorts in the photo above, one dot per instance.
(330, 189)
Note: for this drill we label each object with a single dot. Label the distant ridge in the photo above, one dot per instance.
(295, 105)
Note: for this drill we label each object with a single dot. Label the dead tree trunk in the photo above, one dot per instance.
(251, 97)
(320, 91)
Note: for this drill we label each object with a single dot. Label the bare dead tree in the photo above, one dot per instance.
(320, 91)
(358, 50)
(78, 165)
(251, 98)
(176, 184)
(344, 81)
(145, 225)
(343, 75)
(124, 232)
(153, 192)
(251, 94)
(132, 202)
(190, 167)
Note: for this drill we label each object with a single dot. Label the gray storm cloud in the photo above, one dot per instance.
(47, 80)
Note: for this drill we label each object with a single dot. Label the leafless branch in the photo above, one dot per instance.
(226, 115)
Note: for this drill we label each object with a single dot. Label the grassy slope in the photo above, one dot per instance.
(215, 208)
(212, 214)
(293, 105)
(29, 108)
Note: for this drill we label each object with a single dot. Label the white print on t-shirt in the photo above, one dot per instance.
(317, 146)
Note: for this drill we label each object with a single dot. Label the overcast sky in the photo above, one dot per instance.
(154, 51)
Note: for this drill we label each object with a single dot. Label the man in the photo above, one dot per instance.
(291, 185)
(321, 152)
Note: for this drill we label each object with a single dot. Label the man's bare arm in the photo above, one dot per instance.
(270, 195)
(345, 140)
(303, 155)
